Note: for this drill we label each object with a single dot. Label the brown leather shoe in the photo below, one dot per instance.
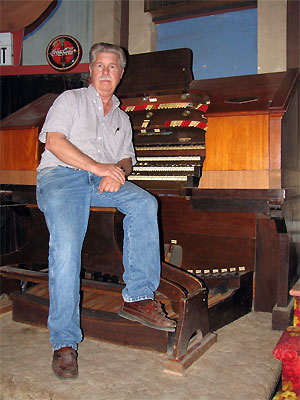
(64, 363)
(149, 313)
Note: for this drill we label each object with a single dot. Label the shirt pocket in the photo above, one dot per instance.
(115, 131)
(84, 128)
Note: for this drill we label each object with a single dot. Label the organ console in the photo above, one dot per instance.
(219, 156)
(249, 169)
(169, 136)
(170, 151)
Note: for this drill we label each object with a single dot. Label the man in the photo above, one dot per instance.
(88, 155)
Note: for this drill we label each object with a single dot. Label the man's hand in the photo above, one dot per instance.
(110, 171)
(64, 150)
(109, 184)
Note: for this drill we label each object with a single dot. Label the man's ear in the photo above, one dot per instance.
(122, 72)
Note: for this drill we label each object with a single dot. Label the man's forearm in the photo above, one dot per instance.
(68, 153)
(65, 151)
(126, 165)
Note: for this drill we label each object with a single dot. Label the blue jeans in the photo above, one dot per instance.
(65, 196)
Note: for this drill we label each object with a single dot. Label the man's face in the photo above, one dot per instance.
(106, 73)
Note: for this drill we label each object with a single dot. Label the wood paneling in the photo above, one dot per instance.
(207, 234)
(236, 143)
(19, 149)
(235, 180)
(293, 37)
(267, 265)
(18, 177)
(166, 71)
(178, 216)
(275, 140)
(163, 11)
(250, 141)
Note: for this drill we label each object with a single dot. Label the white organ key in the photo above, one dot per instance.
(156, 178)
(162, 168)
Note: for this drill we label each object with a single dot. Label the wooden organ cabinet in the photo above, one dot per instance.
(244, 213)
(252, 166)
(222, 158)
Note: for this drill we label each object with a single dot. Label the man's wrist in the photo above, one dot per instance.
(94, 167)
(123, 169)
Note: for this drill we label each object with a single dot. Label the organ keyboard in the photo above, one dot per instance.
(168, 166)
(169, 137)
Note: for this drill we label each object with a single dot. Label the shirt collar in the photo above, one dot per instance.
(93, 93)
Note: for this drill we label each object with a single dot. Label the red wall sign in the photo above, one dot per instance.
(63, 53)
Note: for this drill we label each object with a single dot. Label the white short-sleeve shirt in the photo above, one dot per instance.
(79, 115)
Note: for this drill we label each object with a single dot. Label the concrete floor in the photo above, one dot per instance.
(240, 366)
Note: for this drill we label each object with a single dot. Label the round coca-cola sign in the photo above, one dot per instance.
(63, 53)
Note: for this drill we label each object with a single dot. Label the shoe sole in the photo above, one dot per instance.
(131, 317)
(63, 378)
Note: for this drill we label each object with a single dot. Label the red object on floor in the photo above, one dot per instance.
(287, 351)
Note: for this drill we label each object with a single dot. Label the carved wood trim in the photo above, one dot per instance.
(167, 10)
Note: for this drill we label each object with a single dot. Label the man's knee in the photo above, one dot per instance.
(148, 203)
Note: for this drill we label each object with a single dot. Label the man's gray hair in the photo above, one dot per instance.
(107, 48)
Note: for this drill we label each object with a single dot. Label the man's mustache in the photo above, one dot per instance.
(105, 78)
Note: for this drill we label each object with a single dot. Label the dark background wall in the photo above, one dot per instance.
(20, 90)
